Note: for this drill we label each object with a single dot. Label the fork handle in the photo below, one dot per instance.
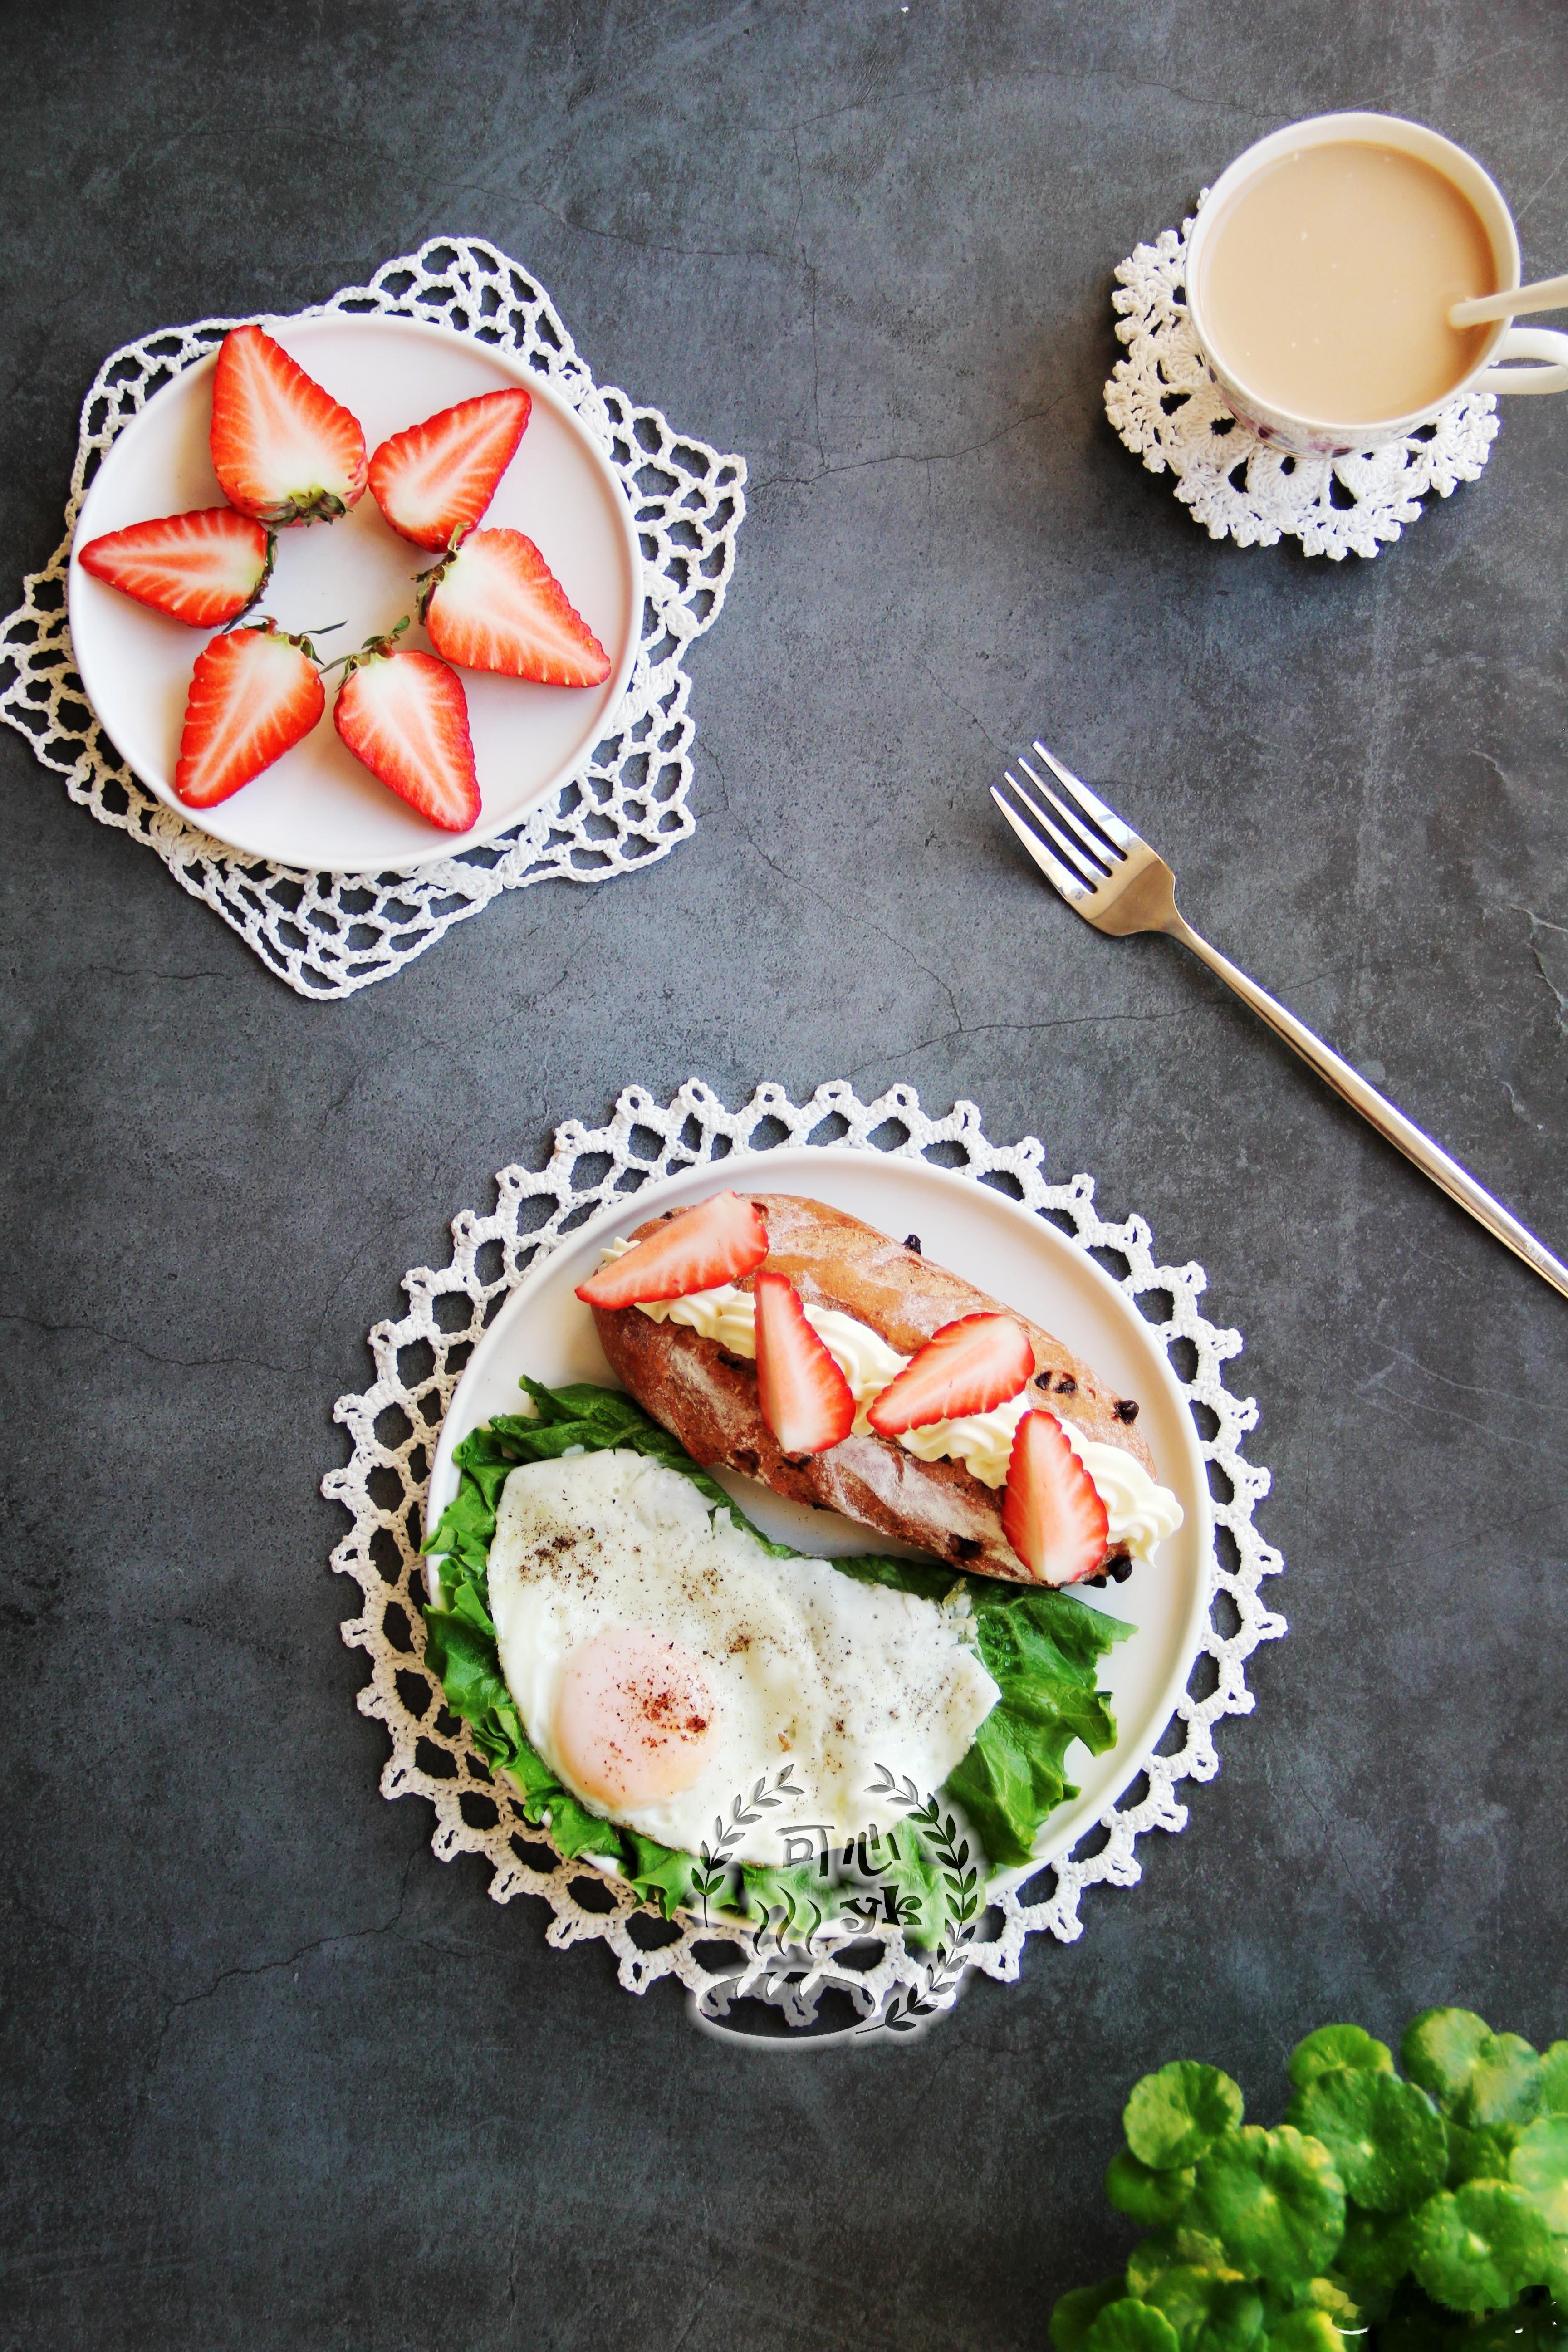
(1403, 1133)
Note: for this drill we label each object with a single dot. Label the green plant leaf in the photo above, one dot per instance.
(1173, 2115)
(1337, 2045)
(1149, 2196)
(1168, 2250)
(1306, 2331)
(1476, 2247)
(1554, 2079)
(1375, 2252)
(1074, 2314)
(1389, 2144)
(1131, 2327)
(1539, 2166)
(1210, 2312)
(1477, 2077)
(1478, 2155)
(1274, 2201)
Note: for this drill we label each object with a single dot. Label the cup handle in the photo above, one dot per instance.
(1528, 344)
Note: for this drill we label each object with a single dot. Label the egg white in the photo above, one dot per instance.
(805, 1665)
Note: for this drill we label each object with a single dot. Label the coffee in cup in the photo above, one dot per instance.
(1321, 273)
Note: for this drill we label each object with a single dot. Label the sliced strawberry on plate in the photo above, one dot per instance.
(970, 1366)
(434, 481)
(283, 450)
(805, 1399)
(202, 568)
(1052, 1514)
(254, 693)
(496, 604)
(720, 1242)
(405, 715)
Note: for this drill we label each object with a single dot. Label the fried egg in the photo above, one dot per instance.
(663, 1662)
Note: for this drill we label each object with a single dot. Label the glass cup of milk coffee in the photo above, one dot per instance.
(1320, 277)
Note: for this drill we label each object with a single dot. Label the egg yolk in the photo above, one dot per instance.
(635, 1720)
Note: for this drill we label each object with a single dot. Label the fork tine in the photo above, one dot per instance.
(1107, 819)
(1065, 878)
(1071, 887)
(1077, 830)
(1078, 860)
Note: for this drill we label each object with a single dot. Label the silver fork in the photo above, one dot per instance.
(1115, 881)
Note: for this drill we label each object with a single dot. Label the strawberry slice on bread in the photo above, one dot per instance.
(203, 568)
(434, 481)
(496, 606)
(1052, 1514)
(405, 716)
(970, 1366)
(283, 450)
(805, 1402)
(254, 693)
(721, 1241)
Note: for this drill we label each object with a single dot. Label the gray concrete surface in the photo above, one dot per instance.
(273, 2077)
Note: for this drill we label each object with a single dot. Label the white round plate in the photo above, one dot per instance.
(318, 809)
(545, 1331)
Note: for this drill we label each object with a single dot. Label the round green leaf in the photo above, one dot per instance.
(1389, 2144)
(1209, 2313)
(1478, 2155)
(1175, 2115)
(1375, 2252)
(1150, 2197)
(1554, 2080)
(1306, 2331)
(1539, 2166)
(1477, 2248)
(1131, 2327)
(1164, 2249)
(1477, 2077)
(1338, 2045)
(1075, 2314)
(1275, 2200)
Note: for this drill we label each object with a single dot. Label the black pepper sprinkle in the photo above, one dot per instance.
(1128, 1409)
(912, 1241)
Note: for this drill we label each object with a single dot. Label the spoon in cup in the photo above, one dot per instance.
(1546, 294)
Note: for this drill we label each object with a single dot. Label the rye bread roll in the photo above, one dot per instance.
(707, 1397)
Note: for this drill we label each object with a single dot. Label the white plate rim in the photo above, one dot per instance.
(508, 363)
(768, 1170)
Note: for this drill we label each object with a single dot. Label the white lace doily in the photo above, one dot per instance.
(328, 935)
(393, 1425)
(1170, 412)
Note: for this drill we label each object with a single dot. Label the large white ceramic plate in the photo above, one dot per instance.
(318, 809)
(545, 1331)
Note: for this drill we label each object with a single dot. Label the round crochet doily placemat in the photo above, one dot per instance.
(328, 935)
(1170, 412)
(393, 1425)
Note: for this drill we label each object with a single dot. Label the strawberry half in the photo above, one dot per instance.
(407, 716)
(202, 568)
(434, 481)
(720, 1242)
(254, 693)
(496, 604)
(283, 450)
(1052, 1514)
(970, 1366)
(805, 1400)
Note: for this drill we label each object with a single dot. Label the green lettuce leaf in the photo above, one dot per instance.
(1042, 1649)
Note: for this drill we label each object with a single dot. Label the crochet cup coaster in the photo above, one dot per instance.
(1170, 412)
(392, 1428)
(328, 935)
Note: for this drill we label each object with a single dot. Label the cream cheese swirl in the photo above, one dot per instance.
(1139, 1513)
